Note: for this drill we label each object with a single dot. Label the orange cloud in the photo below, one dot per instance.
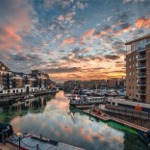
(101, 138)
(89, 32)
(125, 30)
(142, 23)
(89, 138)
(68, 41)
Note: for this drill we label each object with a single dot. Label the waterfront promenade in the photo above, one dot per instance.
(8, 147)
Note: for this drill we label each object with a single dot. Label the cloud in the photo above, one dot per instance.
(127, 1)
(88, 34)
(62, 70)
(61, 18)
(68, 41)
(19, 57)
(118, 45)
(81, 5)
(62, 4)
(15, 20)
(69, 16)
(112, 57)
(142, 22)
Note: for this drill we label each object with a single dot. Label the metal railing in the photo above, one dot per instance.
(128, 112)
(141, 57)
(141, 74)
(142, 92)
(141, 48)
(141, 66)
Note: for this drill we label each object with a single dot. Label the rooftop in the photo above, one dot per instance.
(138, 39)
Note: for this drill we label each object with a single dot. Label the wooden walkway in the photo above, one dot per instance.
(107, 118)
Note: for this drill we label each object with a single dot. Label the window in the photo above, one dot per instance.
(3, 68)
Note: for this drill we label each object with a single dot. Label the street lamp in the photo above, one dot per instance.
(19, 134)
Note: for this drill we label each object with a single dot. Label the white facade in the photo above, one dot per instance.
(18, 90)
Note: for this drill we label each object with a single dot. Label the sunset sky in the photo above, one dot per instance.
(70, 39)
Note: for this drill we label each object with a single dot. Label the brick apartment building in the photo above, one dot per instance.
(14, 82)
(138, 69)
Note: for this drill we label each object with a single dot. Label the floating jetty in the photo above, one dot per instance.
(108, 118)
(84, 106)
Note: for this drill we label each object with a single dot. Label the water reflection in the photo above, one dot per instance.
(58, 121)
(33, 103)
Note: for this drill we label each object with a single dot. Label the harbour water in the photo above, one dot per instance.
(51, 117)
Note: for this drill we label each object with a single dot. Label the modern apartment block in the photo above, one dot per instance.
(15, 82)
(138, 69)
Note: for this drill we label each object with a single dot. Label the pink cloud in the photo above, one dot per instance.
(61, 18)
(89, 33)
(69, 16)
(14, 25)
(68, 41)
(11, 33)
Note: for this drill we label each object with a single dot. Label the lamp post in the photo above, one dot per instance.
(19, 134)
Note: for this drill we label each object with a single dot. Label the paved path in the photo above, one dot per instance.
(7, 147)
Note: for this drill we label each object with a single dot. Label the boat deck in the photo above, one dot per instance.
(107, 118)
(34, 142)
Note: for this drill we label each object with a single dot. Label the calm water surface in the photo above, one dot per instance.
(52, 118)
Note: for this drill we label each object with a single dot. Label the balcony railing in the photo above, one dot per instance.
(141, 48)
(141, 57)
(142, 92)
(141, 75)
(141, 66)
(141, 83)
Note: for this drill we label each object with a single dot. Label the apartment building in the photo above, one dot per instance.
(42, 79)
(138, 69)
(5, 74)
(15, 82)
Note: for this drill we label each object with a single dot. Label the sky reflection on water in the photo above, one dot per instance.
(78, 129)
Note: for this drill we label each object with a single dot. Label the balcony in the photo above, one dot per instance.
(141, 57)
(141, 84)
(141, 48)
(141, 66)
(141, 92)
(141, 75)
